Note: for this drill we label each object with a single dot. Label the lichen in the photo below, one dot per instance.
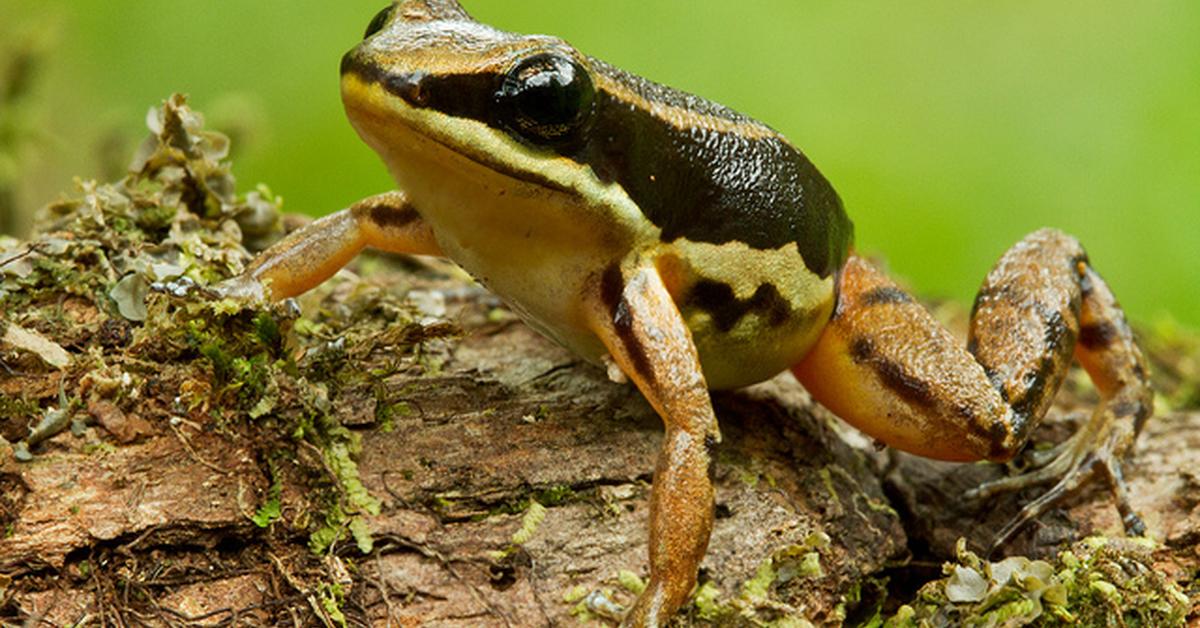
(757, 603)
(1097, 582)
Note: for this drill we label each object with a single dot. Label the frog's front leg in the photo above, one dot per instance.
(886, 366)
(315, 252)
(632, 313)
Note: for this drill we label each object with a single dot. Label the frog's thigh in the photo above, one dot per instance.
(887, 367)
(314, 253)
(634, 316)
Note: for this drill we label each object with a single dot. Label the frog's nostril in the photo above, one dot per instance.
(409, 87)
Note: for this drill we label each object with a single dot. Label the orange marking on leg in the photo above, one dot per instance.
(885, 366)
(309, 256)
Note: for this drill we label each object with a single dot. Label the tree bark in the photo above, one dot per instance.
(158, 529)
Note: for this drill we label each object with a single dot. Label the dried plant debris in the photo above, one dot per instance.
(97, 320)
(1097, 582)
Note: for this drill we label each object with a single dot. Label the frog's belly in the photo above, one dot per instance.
(545, 291)
(755, 351)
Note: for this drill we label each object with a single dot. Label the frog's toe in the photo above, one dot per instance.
(242, 287)
(1042, 467)
(1096, 449)
(1033, 460)
(601, 604)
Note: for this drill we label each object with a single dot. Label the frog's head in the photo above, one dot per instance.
(469, 118)
(436, 93)
(430, 55)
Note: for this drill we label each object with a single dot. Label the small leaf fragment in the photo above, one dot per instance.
(49, 351)
(966, 585)
(130, 296)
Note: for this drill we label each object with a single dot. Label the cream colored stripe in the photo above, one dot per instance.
(681, 118)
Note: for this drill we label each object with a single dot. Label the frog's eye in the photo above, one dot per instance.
(379, 21)
(546, 99)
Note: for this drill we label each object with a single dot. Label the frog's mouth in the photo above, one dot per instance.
(375, 98)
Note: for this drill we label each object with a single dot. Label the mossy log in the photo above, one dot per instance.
(400, 450)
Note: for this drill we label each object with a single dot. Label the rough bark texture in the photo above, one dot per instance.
(507, 418)
(158, 530)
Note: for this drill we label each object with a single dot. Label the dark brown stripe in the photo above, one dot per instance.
(612, 287)
(393, 217)
(999, 437)
(718, 300)
(1043, 382)
(908, 387)
(1098, 336)
(1139, 370)
(862, 349)
(884, 296)
(1126, 409)
(1141, 416)
(612, 284)
(892, 374)
(1001, 292)
(1133, 408)
(710, 450)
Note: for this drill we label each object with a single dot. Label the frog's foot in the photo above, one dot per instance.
(1098, 447)
(244, 287)
(885, 365)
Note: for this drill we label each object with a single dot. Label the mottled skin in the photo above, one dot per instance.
(696, 248)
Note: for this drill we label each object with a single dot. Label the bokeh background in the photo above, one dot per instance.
(950, 129)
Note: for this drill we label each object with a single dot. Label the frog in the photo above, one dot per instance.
(691, 248)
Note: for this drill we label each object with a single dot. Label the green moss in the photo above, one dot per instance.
(631, 582)
(330, 597)
(555, 495)
(826, 474)
(863, 603)
(575, 594)
(529, 523)
(176, 217)
(13, 408)
(757, 602)
(347, 500)
(271, 509)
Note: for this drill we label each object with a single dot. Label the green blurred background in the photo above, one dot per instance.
(950, 129)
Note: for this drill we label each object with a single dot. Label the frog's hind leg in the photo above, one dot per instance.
(886, 366)
(315, 252)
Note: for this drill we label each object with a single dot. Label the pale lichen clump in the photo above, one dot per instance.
(1097, 582)
(104, 308)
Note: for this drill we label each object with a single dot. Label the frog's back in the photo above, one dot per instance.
(751, 232)
(701, 171)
